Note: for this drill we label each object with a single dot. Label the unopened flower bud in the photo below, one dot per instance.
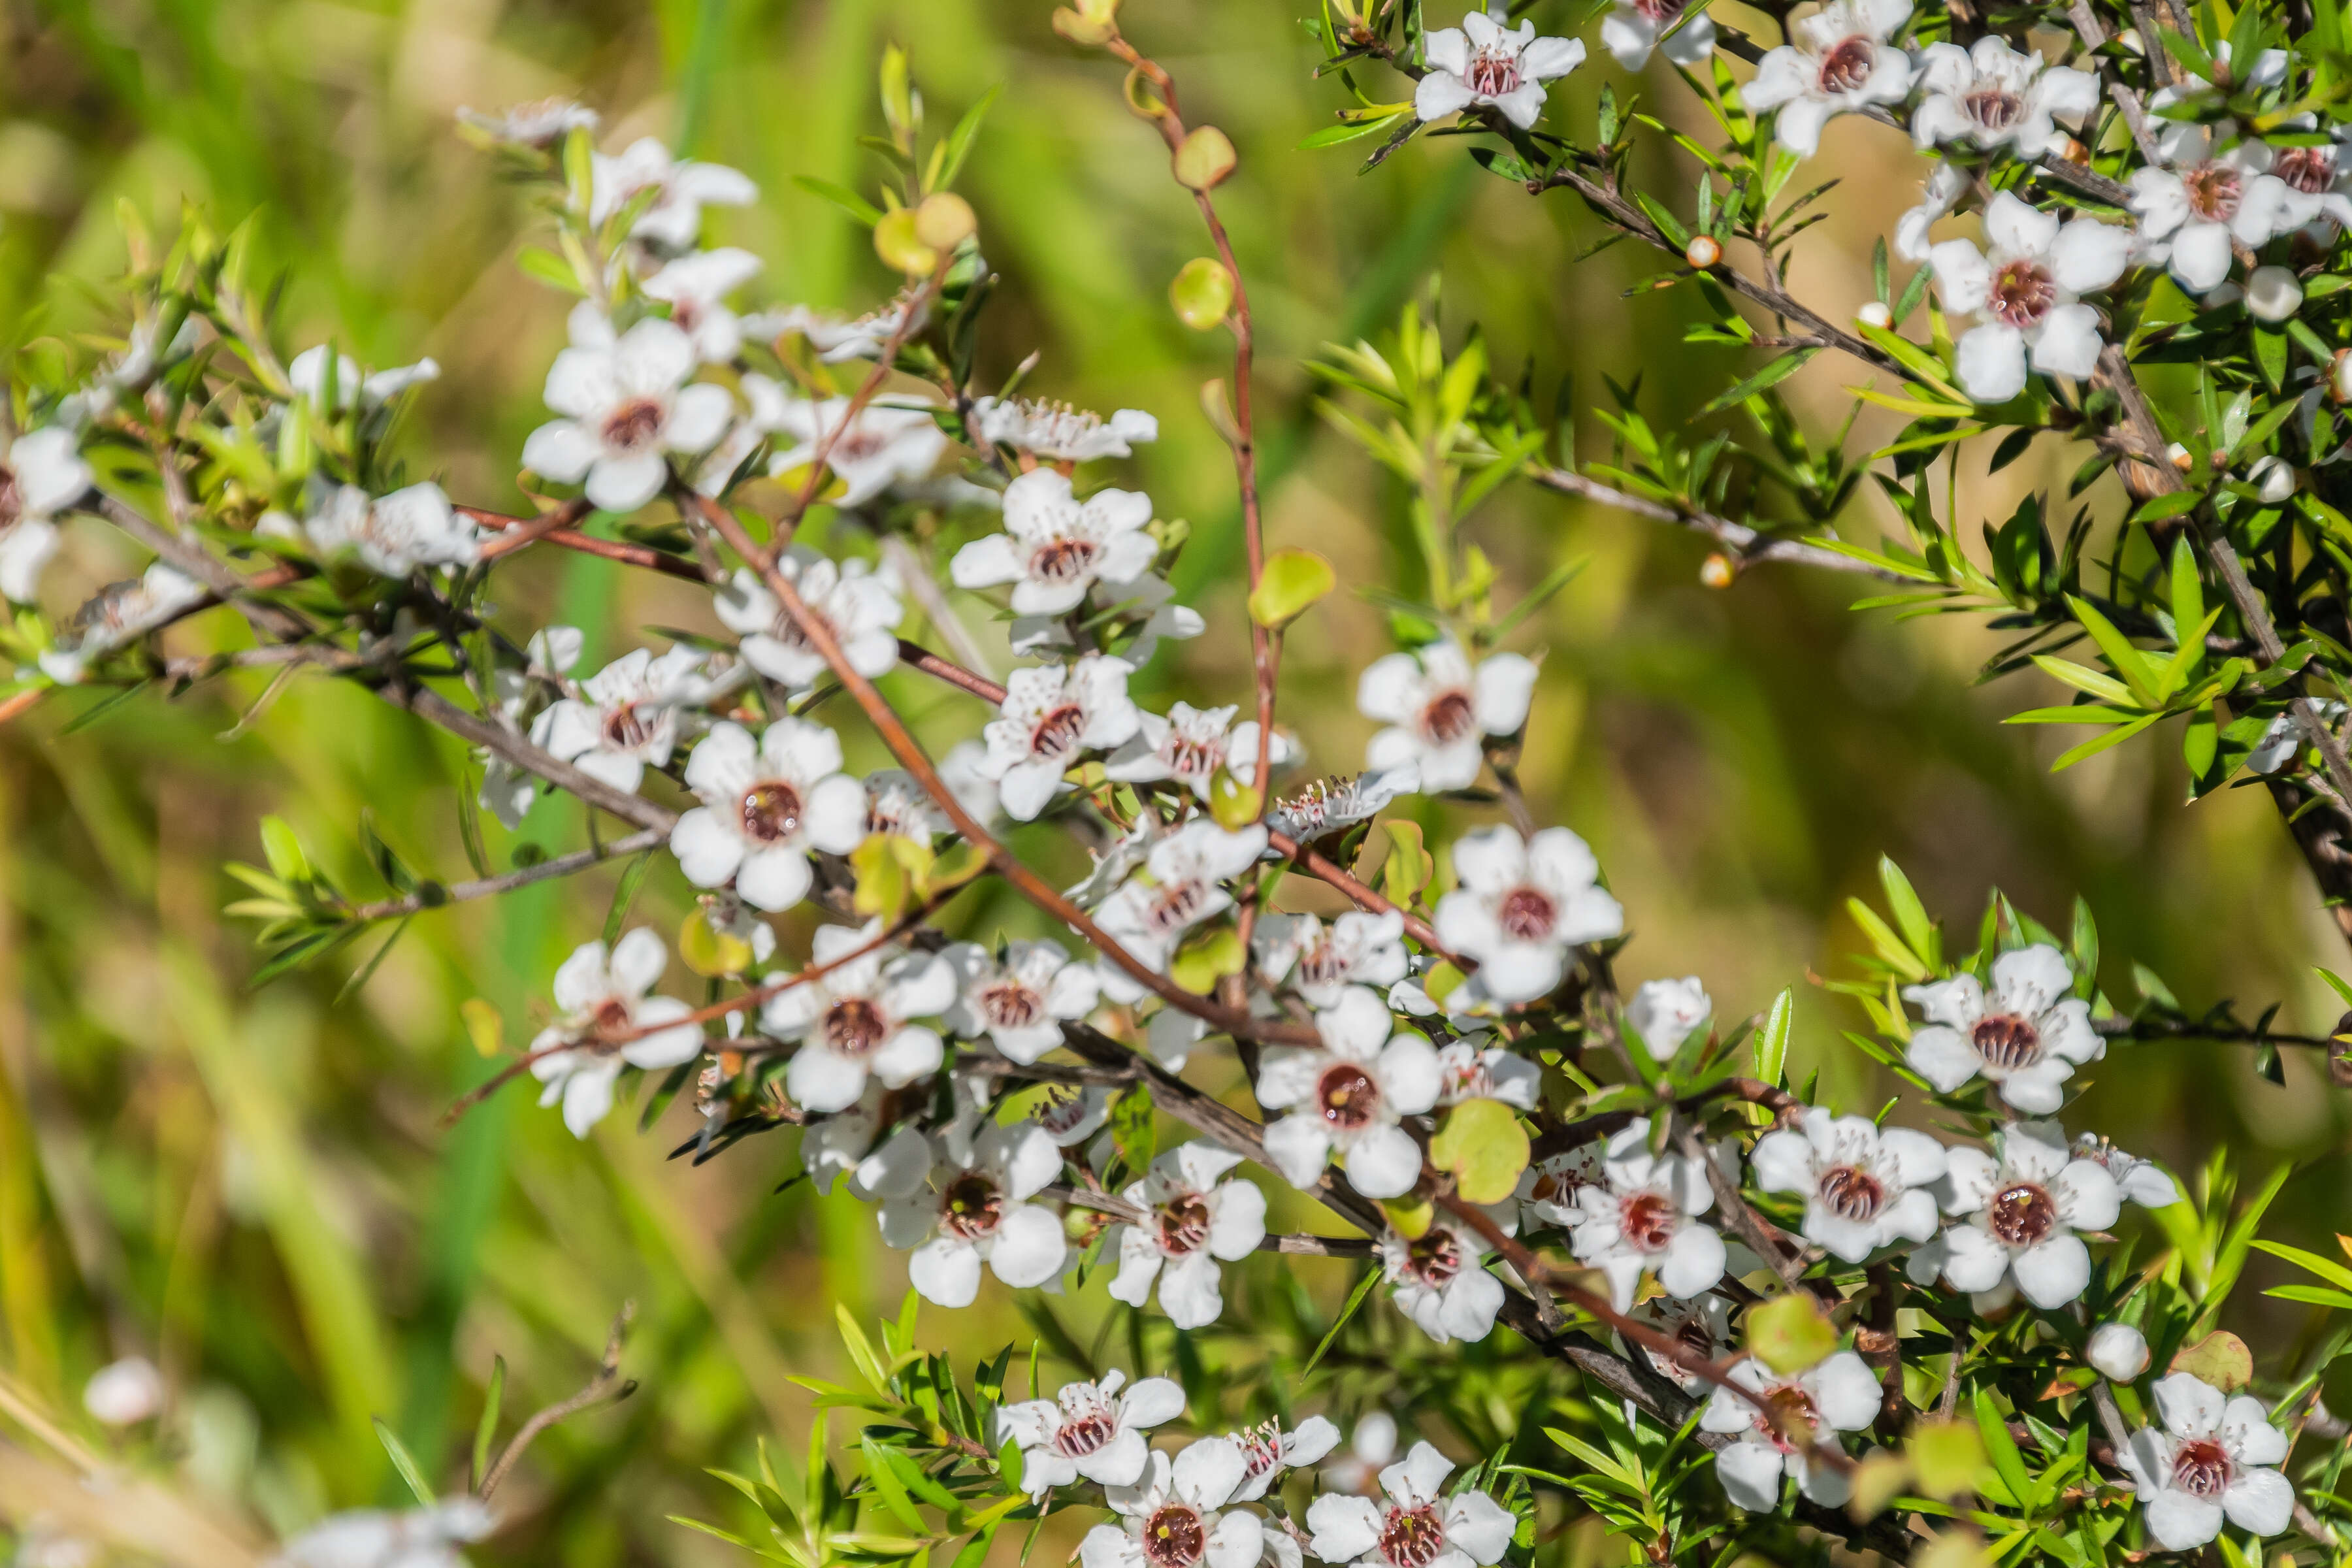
(1703, 252)
(2218, 296)
(2274, 294)
(2178, 456)
(2118, 1351)
(2273, 478)
(1716, 570)
(2130, 39)
(1875, 314)
(124, 1393)
(944, 220)
(2072, 150)
(2339, 376)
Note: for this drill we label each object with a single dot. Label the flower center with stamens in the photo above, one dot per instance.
(1434, 1257)
(1183, 1225)
(854, 1026)
(1991, 107)
(2310, 170)
(632, 424)
(1174, 1536)
(1322, 964)
(1084, 1431)
(1060, 1112)
(970, 1207)
(1526, 914)
(1064, 560)
(1261, 1448)
(1493, 71)
(1562, 1183)
(2022, 293)
(1347, 1097)
(1192, 756)
(1174, 905)
(771, 812)
(2005, 1040)
(1448, 717)
(1658, 13)
(1850, 1192)
(1693, 1334)
(1847, 67)
(2213, 190)
(1789, 1407)
(1412, 1537)
(12, 503)
(626, 729)
(1648, 1220)
(1057, 731)
(2200, 1466)
(610, 1017)
(1009, 1004)
(2023, 1214)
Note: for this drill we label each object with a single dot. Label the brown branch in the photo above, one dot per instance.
(1765, 1242)
(523, 877)
(1743, 545)
(607, 1386)
(435, 709)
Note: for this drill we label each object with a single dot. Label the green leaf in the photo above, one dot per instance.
(1355, 1299)
(487, 1429)
(627, 894)
(402, 1461)
(1346, 131)
(847, 200)
(1910, 915)
(2220, 1358)
(1201, 293)
(1772, 375)
(2001, 1449)
(1131, 1128)
(2326, 1269)
(1789, 1332)
(1291, 585)
(1946, 1457)
(1772, 1045)
(1482, 1144)
(958, 145)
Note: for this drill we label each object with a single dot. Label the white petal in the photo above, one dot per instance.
(1991, 362)
(1345, 1527)
(1751, 1474)
(2260, 1500)
(944, 1270)
(1383, 1162)
(1030, 1247)
(2068, 342)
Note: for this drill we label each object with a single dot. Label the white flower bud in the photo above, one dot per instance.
(2118, 1351)
(125, 1393)
(2178, 456)
(2218, 295)
(1875, 314)
(2273, 293)
(2272, 478)
(1703, 252)
(2339, 376)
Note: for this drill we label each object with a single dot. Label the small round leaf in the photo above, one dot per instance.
(1289, 587)
(1789, 1334)
(1205, 158)
(1201, 294)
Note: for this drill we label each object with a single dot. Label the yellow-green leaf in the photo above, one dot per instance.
(1207, 957)
(1201, 294)
(1789, 1332)
(1484, 1146)
(2220, 1358)
(1293, 580)
(484, 1027)
(709, 951)
(1205, 158)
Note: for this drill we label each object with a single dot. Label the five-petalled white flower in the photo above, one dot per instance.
(1438, 1279)
(604, 1006)
(1521, 905)
(1840, 64)
(857, 1019)
(1018, 1000)
(859, 606)
(1864, 1187)
(2025, 1037)
(694, 286)
(1416, 1526)
(2215, 1458)
(1437, 708)
(625, 718)
(1347, 1098)
(1181, 885)
(1839, 1393)
(2022, 1206)
(1484, 65)
(1663, 1013)
(1176, 1516)
(1991, 96)
(1270, 1451)
(1319, 959)
(1644, 1214)
(681, 187)
(1055, 546)
(2193, 210)
(1195, 1217)
(974, 1209)
(1051, 713)
(766, 805)
(2024, 295)
(1088, 1429)
(1059, 433)
(626, 407)
(1190, 744)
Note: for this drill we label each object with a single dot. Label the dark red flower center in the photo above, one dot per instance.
(1174, 905)
(1412, 1537)
(1992, 107)
(1063, 560)
(1175, 1536)
(1082, 1433)
(2005, 1040)
(1847, 67)
(632, 424)
(2200, 1466)
(1850, 1192)
(1527, 914)
(2213, 191)
(1434, 1257)
(625, 729)
(1448, 716)
(2310, 170)
(1189, 756)
(1009, 1004)
(2023, 1214)
(1347, 1097)
(971, 1206)
(1649, 1220)
(2022, 293)
(854, 1026)
(1183, 1225)
(1493, 71)
(1057, 731)
(771, 812)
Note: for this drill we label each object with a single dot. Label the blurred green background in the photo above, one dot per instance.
(256, 1188)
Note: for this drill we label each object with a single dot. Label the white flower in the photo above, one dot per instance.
(1841, 64)
(1470, 1068)
(1018, 1001)
(625, 718)
(2214, 1461)
(673, 220)
(836, 337)
(1088, 1429)
(766, 806)
(2025, 1038)
(2204, 200)
(1371, 1447)
(626, 406)
(1840, 1394)
(974, 1211)
(1666, 1012)
(507, 791)
(1320, 959)
(308, 376)
(1940, 194)
(859, 606)
(1994, 96)
(1172, 1518)
(394, 534)
(1417, 1526)
(897, 806)
(1484, 64)
(1190, 744)
(1055, 546)
(2274, 294)
(695, 287)
(536, 124)
(883, 448)
(1644, 1214)
(1548, 1188)
(962, 770)
(1194, 1219)
(2142, 1182)
(1439, 1280)
(1333, 806)
(2024, 295)
(1864, 1187)
(1059, 433)
(120, 613)
(1521, 905)
(1701, 1326)
(1347, 1098)
(41, 474)
(2118, 1351)
(602, 1000)
(1269, 1451)
(842, 1146)
(1050, 714)
(1633, 27)
(124, 1393)
(2023, 1209)
(1070, 1116)
(1181, 885)
(1436, 709)
(857, 1019)
(365, 1538)
(2319, 175)
(1143, 610)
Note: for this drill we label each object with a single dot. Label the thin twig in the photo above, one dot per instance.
(607, 1387)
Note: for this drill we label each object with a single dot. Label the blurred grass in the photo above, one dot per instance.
(258, 1189)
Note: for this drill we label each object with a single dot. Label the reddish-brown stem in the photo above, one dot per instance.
(526, 530)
